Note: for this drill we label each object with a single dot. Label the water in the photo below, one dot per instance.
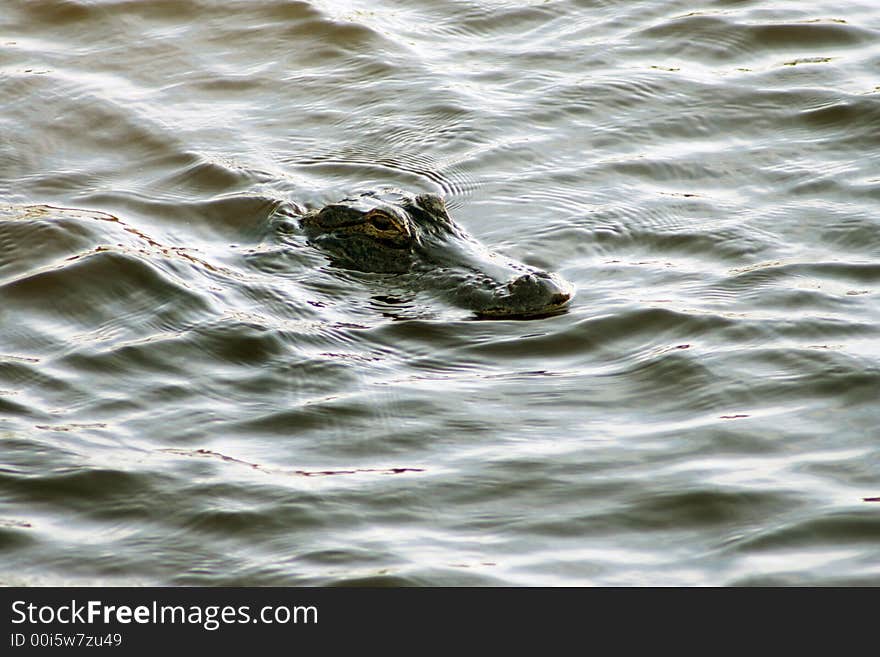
(190, 394)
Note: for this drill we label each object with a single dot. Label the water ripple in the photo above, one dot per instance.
(191, 394)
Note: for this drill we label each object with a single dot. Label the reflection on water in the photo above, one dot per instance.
(191, 394)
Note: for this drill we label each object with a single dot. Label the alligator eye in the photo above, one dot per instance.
(381, 222)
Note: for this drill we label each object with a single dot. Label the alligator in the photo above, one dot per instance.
(393, 232)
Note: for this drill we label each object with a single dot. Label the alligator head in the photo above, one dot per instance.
(394, 232)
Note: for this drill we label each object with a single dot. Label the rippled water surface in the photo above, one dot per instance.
(190, 393)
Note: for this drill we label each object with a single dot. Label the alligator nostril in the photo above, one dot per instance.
(524, 281)
(538, 289)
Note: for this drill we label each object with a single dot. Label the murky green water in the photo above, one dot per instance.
(191, 395)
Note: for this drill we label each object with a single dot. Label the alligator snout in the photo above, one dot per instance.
(532, 294)
(540, 288)
(533, 285)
